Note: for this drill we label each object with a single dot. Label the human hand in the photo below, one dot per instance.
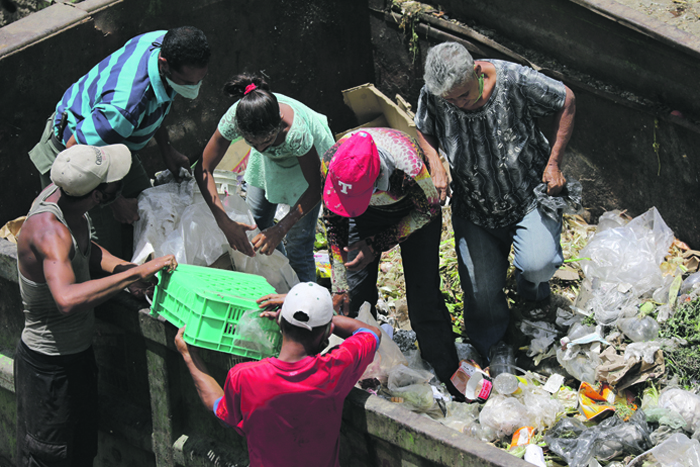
(174, 160)
(554, 179)
(181, 345)
(364, 258)
(271, 301)
(341, 303)
(440, 180)
(236, 236)
(166, 263)
(125, 210)
(266, 241)
(142, 289)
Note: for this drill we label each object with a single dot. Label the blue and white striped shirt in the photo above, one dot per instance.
(121, 100)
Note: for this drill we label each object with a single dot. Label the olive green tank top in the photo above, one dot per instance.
(47, 330)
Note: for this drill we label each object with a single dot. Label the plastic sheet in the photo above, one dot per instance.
(460, 416)
(630, 254)
(568, 201)
(676, 451)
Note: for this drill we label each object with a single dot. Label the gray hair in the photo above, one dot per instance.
(447, 66)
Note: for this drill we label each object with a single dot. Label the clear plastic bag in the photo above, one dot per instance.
(676, 451)
(691, 282)
(460, 415)
(577, 445)
(543, 408)
(504, 415)
(631, 253)
(251, 335)
(639, 329)
(388, 355)
(580, 362)
(685, 403)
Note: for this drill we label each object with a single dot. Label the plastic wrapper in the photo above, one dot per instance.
(251, 335)
(642, 350)
(568, 201)
(412, 385)
(685, 403)
(630, 254)
(676, 451)
(639, 329)
(504, 415)
(577, 445)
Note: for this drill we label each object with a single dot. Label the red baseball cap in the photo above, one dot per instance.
(351, 175)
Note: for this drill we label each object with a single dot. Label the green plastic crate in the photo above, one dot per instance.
(210, 302)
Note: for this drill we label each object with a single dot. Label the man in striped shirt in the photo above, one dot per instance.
(124, 99)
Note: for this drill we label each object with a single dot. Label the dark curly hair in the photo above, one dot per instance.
(258, 112)
(185, 46)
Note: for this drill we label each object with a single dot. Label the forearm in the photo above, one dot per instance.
(563, 128)
(308, 200)
(345, 327)
(429, 144)
(207, 185)
(208, 389)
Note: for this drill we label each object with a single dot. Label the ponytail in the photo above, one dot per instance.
(258, 112)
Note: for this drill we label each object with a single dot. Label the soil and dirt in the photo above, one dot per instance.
(684, 15)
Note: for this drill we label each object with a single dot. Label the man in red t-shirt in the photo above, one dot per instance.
(289, 408)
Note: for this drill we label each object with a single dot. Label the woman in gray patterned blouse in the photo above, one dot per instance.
(484, 116)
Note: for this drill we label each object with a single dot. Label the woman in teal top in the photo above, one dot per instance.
(287, 140)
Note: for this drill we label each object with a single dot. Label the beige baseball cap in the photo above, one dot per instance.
(307, 305)
(80, 169)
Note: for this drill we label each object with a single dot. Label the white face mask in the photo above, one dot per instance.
(188, 91)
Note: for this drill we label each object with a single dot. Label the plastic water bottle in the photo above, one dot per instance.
(502, 359)
(506, 383)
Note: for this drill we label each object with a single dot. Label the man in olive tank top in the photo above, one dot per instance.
(55, 369)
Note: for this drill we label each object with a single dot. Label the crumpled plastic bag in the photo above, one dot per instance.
(504, 415)
(460, 416)
(639, 329)
(676, 451)
(580, 362)
(577, 445)
(543, 408)
(568, 201)
(685, 403)
(544, 334)
(253, 333)
(412, 385)
(631, 253)
(388, 355)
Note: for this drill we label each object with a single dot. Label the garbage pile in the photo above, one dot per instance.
(613, 380)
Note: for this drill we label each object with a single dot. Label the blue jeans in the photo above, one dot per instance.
(483, 265)
(420, 257)
(299, 247)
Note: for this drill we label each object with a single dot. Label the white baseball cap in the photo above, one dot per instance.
(80, 169)
(308, 305)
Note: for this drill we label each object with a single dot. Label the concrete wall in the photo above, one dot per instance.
(310, 50)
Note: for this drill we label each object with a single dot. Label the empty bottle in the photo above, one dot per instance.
(502, 359)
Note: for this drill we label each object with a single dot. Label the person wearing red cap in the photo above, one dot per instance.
(55, 369)
(377, 193)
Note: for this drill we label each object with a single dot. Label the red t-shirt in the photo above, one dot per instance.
(290, 413)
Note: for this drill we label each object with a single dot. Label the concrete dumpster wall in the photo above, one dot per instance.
(309, 50)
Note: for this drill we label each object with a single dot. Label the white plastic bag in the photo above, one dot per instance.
(504, 415)
(676, 451)
(631, 253)
(685, 403)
